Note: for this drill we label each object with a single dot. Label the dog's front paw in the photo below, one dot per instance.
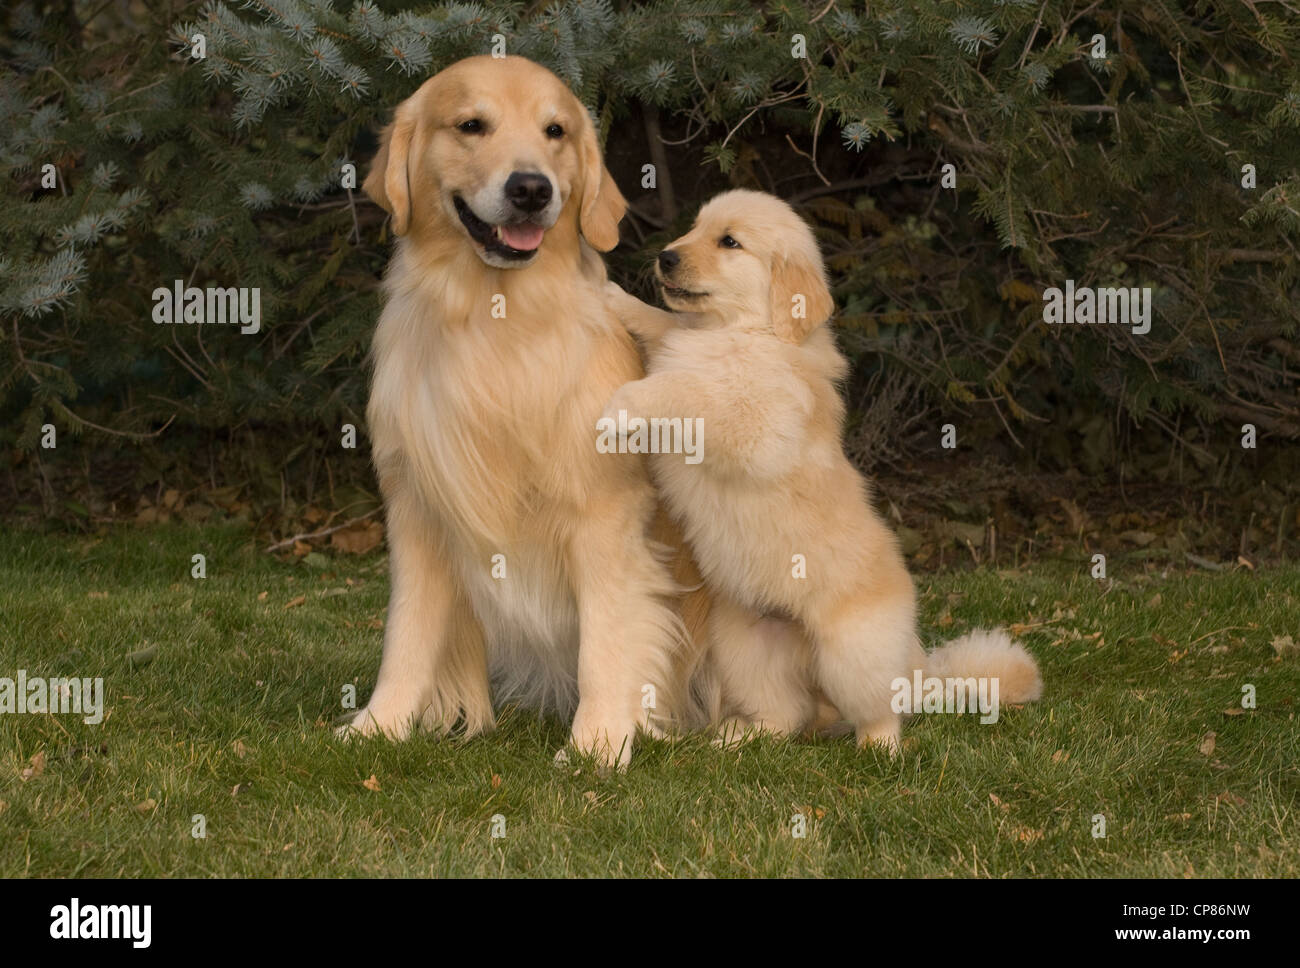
(737, 731)
(608, 743)
(365, 724)
(733, 732)
(883, 735)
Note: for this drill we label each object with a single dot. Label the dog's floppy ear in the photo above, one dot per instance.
(801, 299)
(387, 184)
(602, 205)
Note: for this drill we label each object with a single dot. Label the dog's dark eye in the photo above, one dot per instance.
(472, 126)
(554, 131)
(727, 242)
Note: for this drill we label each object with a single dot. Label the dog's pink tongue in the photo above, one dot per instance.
(525, 238)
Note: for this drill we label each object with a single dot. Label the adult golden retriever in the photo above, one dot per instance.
(779, 519)
(519, 555)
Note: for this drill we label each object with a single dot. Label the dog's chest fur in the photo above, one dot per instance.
(492, 422)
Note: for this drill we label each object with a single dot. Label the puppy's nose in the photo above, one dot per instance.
(668, 260)
(528, 191)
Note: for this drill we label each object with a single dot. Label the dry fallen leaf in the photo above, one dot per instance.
(358, 538)
(1078, 519)
(1060, 756)
(1284, 645)
(261, 596)
(240, 749)
(295, 602)
(371, 784)
(1233, 711)
(1227, 796)
(1028, 835)
(147, 806)
(496, 780)
(1139, 538)
(997, 802)
(1207, 743)
(234, 792)
(37, 767)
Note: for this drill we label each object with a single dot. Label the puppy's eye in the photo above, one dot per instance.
(554, 131)
(472, 126)
(727, 242)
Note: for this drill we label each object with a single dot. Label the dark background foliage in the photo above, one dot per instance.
(1117, 170)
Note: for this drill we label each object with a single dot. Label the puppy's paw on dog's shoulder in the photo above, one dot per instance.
(626, 399)
(616, 296)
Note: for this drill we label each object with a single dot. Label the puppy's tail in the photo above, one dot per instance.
(989, 653)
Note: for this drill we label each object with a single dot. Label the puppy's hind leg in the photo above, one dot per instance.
(762, 666)
(859, 651)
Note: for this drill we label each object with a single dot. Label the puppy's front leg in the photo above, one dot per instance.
(627, 630)
(641, 320)
(658, 395)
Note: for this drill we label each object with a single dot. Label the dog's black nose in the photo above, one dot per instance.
(528, 191)
(668, 260)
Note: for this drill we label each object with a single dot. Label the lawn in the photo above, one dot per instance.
(220, 692)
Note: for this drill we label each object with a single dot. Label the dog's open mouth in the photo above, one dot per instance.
(519, 241)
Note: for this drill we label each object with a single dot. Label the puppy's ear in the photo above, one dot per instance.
(387, 184)
(801, 299)
(602, 205)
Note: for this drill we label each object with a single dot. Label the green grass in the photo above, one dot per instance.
(229, 720)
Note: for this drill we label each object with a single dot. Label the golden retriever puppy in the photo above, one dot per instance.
(810, 588)
(519, 555)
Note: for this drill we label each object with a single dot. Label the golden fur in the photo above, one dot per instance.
(489, 373)
(781, 523)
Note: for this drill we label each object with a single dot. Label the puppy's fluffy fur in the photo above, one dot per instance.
(748, 353)
(492, 359)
